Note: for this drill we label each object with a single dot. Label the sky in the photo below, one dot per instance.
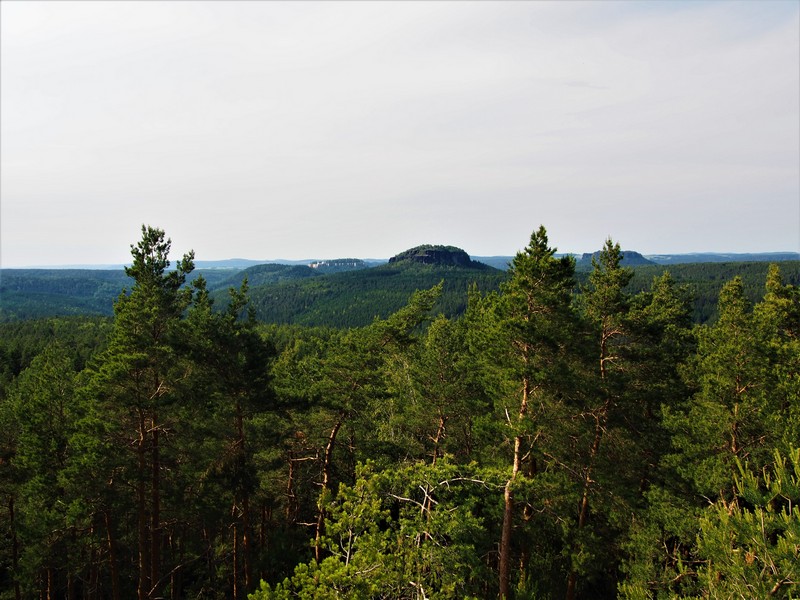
(298, 130)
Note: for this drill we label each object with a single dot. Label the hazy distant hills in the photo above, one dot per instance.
(629, 259)
(633, 259)
(351, 291)
(704, 257)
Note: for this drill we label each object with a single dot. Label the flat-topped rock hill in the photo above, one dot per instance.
(428, 254)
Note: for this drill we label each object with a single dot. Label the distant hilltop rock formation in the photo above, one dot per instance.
(629, 259)
(427, 254)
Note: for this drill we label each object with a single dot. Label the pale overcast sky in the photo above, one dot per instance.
(333, 129)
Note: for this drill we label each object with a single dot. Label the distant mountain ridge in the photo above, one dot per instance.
(503, 262)
(350, 291)
(629, 259)
(498, 261)
(702, 257)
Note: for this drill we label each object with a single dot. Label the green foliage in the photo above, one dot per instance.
(704, 281)
(302, 295)
(751, 546)
(535, 434)
(356, 298)
(747, 546)
(732, 414)
(743, 411)
(43, 293)
(407, 533)
(22, 341)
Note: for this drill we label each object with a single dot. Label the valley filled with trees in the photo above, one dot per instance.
(551, 433)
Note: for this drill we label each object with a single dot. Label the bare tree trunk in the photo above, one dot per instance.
(235, 561)
(583, 511)
(70, 586)
(599, 430)
(439, 435)
(262, 533)
(326, 478)
(246, 567)
(14, 547)
(508, 497)
(92, 592)
(176, 575)
(428, 503)
(527, 515)
(505, 540)
(290, 496)
(155, 514)
(143, 588)
(246, 542)
(112, 557)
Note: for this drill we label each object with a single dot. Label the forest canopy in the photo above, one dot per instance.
(559, 436)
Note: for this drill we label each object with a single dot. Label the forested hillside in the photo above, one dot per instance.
(558, 436)
(356, 298)
(346, 293)
(39, 293)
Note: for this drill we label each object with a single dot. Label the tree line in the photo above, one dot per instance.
(556, 440)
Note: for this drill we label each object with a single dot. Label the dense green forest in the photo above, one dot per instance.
(350, 293)
(558, 434)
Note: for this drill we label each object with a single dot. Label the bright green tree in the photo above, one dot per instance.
(741, 411)
(778, 317)
(730, 416)
(409, 532)
(536, 329)
(750, 545)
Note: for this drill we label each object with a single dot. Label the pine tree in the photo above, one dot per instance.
(537, 321)
(45, 534)
(139, 381)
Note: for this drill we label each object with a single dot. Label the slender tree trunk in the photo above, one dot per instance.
(113, 565)
(599, 429)
(508, 497)
(262, 535)
(143, 589)
(92, 592)
(735, 430)
(439, 435)
(290, 497)
(262, 526)
(505, 540)
(247, 566)
(326, 478)
(583, 511)
(428, 503)
(235, 561)
(155, 510)
(14, 547)
(527, 515)
(176, 575)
